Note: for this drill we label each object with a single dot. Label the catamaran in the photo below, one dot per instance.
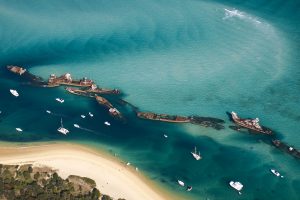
(62, 129)
(195, 155)
(14, 92)
(236, 185)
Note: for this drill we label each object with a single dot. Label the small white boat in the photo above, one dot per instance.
(14, 92)
(62, 129)
(60, 100)
(19, 129)
(189, 188)
(195, 155)
(107, 123)
(76, 126)
(236, 185)
(181, 183)
(276, 173)
(82, 116)
(128, 163)
(166, 136)
(48, 111)
(91, 114)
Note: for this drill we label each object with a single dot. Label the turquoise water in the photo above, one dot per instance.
(178, 57)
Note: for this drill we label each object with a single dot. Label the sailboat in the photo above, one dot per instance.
(62, 129)
(195, 155)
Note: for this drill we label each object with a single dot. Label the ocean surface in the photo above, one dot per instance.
(184, 57)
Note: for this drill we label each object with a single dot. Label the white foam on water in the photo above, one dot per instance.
(234, 13)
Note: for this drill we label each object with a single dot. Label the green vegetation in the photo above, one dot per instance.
(28, 182)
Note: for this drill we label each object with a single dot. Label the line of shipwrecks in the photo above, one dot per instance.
(82, 87)
(86, 87)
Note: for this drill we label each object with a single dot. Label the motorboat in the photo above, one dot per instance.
(276, 173)
(196, 155)
(128, 163)
(61, 129)
(82, 116)
(189, 188)
(14, 92)
(107, 123)
(48, 111)
(91, 114)
(19, 129)
(60, 100)
(181, 183)
(165, 135)
(76, 126)
(236, 185)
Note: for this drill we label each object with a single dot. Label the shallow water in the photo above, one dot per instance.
(178, 57)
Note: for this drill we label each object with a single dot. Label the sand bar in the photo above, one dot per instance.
(112, 177)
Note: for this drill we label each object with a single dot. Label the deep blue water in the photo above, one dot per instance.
(178, 57)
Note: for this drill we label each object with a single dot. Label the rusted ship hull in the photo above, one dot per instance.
(112, 111)
(104, 91)
(79, 92)
(26, 75)
(163, 117)
(104, 102)
(255, 130)
(286, 148)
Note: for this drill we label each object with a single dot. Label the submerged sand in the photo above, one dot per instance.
(112, 176)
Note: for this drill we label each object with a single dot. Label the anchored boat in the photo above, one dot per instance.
(196, 155)
(61, 129)
(236, 185)
(14, 92)
(181, 183)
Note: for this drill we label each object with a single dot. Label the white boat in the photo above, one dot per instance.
(14, 92)
(62, 129)
(107, 123)
(165, 136)
(181, 183)
(76, 126)
(195, 155)
(19, 129)
(189, 188)
(82, 116)
(91, 114)
(48, 111)
(276, 173)
(128, 163)
(60, 100)
(236, 185)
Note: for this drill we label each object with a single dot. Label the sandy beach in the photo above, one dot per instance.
(112, 177)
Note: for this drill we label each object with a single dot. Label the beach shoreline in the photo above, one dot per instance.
(112, 176)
